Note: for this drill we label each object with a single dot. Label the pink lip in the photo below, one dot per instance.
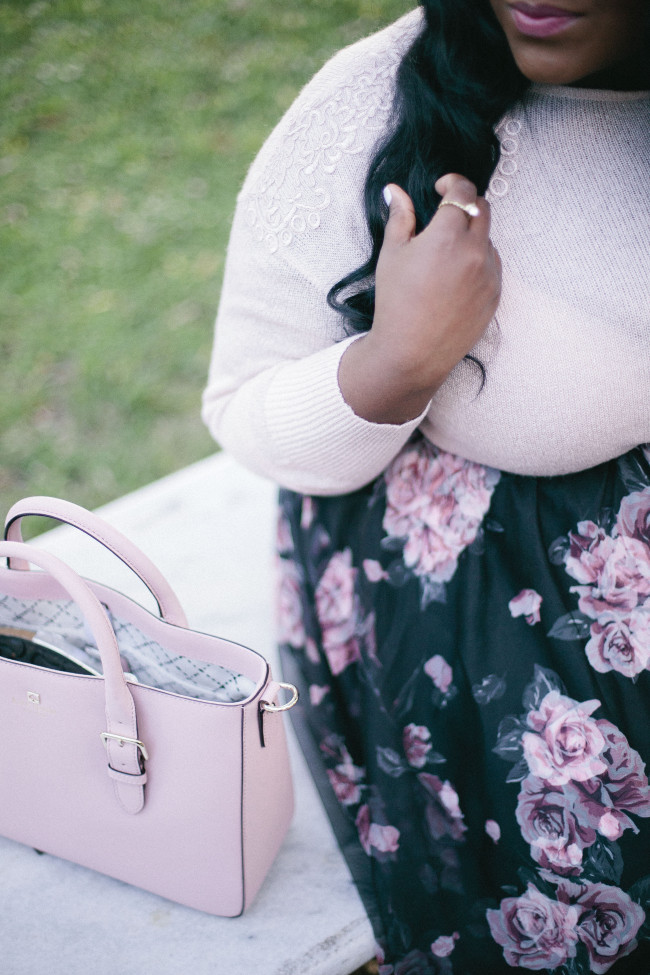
(541, 20)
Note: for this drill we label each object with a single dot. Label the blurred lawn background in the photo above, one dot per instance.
(125, 132)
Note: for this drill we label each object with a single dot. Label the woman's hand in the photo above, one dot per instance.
(435, 294)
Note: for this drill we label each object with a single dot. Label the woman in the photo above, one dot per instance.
(450, 380)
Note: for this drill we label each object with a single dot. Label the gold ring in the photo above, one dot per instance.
(469, 209)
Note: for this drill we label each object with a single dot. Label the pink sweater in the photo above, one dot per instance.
(568, 354)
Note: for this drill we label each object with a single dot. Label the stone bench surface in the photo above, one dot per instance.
(210, 529)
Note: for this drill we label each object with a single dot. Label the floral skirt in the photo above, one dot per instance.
(473, 649)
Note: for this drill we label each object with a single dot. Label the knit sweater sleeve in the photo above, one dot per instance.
(273, 398)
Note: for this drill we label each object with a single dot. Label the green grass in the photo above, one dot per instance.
(125, 131)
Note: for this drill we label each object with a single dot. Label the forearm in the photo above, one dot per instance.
(291, 423)
(379, 388)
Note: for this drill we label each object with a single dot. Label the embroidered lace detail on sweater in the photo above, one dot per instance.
(507, 132)
(290, 193)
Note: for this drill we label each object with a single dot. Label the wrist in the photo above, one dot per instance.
(383, 386)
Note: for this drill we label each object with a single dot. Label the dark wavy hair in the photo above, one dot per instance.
(453, 85)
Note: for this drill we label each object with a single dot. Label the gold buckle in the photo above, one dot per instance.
(105, 736)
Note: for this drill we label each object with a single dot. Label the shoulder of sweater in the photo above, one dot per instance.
(376, 56)
(311, 170)
(378, 53)
(353, 91)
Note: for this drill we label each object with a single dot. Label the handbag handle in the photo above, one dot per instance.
(72, 514)
(121, 735)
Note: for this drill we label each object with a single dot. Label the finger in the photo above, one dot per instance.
(480, 224)
(497, 263)
(453, 186)
(457, 194)
(400, 226)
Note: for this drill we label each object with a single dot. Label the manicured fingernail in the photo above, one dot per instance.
(472, 210)
(388, 196)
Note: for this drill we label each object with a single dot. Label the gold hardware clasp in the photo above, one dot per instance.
(105, 737)
(265, 706)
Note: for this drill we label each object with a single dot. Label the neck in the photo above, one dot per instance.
(631, 74)
(615, 82)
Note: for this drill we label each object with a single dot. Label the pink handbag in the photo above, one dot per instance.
(129, 743)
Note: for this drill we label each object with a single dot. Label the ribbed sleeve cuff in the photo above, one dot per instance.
(318, 441)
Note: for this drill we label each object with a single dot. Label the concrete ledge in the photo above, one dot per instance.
(210, 529)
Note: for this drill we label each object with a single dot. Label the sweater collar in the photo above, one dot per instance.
(587, 94)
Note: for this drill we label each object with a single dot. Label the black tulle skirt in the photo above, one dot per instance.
(473, 651)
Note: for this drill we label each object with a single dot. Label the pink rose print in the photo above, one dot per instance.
(312, 650)
(609, 922)
(593, 805)
(335, 592)
(436, 502)
(416, 744)
(317, 693)
(550, 821)
(609, 826)
(634, 516)
(579, 562)
(284, 539)
(373, 570)
(565, 742)
(614, 575)
(526, 603)
(443, 814)
(620, 642)
(307, 512)
(345, 778)
(375, 838)
(613, 572)
(604, 801)
(449, 799)
(336, 610)
(341, 655)
(440, 672)
(493, 830)
(534, 931)
(443, 946)
(627, 781)
(289, 605)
